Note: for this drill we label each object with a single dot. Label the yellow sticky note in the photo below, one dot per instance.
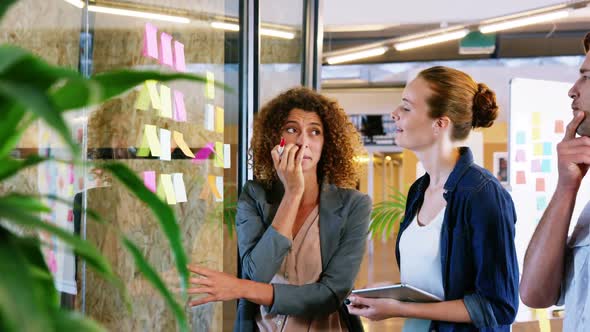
(544, 323)
(536, 133)
(538, 149)
(166, 189)
(179, 139)
(536, 118)
(219, 154)
(143, 99)
(166, 101)
(214, 182)
(149, 142)
(153, 91)
(210, 85)
(219, 119)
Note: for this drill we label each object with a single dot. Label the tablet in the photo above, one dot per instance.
(400, 292)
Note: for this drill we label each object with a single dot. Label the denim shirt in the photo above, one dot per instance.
(478, 255)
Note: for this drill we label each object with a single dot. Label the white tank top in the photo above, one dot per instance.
(420, 262)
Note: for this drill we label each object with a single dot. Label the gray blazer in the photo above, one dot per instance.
(344, 221)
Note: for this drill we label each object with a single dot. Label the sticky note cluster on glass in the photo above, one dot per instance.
(168, 51)
(169, 187)
(166, 102)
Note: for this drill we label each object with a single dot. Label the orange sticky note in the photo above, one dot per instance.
(520, 177)
(179, 139)
(540, 186)
(214, 186)
(559, 127)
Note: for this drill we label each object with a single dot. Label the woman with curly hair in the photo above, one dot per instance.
(301, 226)
(456, 240)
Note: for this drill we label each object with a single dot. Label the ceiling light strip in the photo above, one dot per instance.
(357, 55)
(431, 40)
(524, 21)
(137, 13)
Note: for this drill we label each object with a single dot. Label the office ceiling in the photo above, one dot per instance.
(351, 23)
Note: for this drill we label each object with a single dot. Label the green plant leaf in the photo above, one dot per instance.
(4, 5)
(38, 102)
(19, 209)
(10, 166)
(152, 276)
(74, 321)
(14, 123)
(20, 296)
(163, 213)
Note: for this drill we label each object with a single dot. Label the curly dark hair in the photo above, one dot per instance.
(341, 140)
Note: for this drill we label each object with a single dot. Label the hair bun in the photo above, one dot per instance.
(485, 108)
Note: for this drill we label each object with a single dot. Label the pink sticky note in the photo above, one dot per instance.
(150, 41)
(71, 171)
(166, 49)
(149, 179)
(179, 56)
(204, 153)
(520, 177)
(540, 185)
(520, 156)
(536, 165)
(70, 215)
(179, 110)
(559, 127)
(51, 261)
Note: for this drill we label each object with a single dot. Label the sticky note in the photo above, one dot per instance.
(219, 119)
(559, 128)
(546, 166)
(179, 64)
(547, 149)
(166, 100)
(150, 142)
(204, 192)
(226, 156)
(149, 179)
(203, 154)
(536, 165)
(536, 118)
(541, 203)
(143, 98)
(209, 117)
(216, 187)
(179, 139)
(520, 137)
(150, 41)
(165, 189)
(536, 133)
(520, 156)
(179, 189)
(179, 110)
(153, 91)
(166, 49)
(520, 177)
(165, 153)
(538, 150)
(219, 154)
(210, 85)
(544, 324)
(540, 185)
(70, 215)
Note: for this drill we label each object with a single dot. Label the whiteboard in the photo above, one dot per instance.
(539, 112)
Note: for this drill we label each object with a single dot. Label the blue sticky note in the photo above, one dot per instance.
(547, 149)
(546, 166)
(520, 137)
(541, 203)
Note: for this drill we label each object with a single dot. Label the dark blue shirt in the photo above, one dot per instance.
(478, 256)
